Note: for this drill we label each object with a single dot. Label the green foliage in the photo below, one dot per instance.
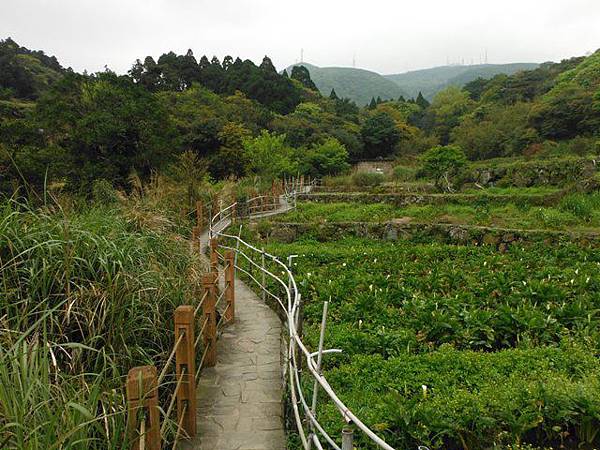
(380, 135)
(493, 131)
(26, 74)
(103, 193)
(504, 208)
(431, 81)
(270, 157)
(84, 298)
(302, 75)
(447, 108)
(179, 72)
(108, 127)
(403, 173)
(455, 346)
(443, 164)
(367, 179)
(353, 84)
(329, 158)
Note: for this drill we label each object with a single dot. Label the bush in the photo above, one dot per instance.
(403, 173)
(328, 158)
(444, 164)
(368, 179)
(103, 193)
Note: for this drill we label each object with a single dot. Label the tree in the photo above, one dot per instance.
(447, 109)
(108, 127)
(333, 95)
(270, 157)
(267, 65)
(301, 74)
(231, 158)
(328, 158)
(443, 164)
(380, 135)
(373, 103)
(421, 101)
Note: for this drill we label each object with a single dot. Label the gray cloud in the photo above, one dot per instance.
(386, 36)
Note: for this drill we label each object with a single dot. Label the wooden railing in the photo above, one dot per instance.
(147, 422)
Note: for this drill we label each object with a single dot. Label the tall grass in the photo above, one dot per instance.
(83, 298)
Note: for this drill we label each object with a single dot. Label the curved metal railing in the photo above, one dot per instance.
(289, 298)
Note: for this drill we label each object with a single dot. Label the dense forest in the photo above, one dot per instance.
(66, 129)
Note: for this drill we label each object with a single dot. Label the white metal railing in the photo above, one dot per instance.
(290, 300)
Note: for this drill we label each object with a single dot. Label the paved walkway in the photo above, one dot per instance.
(240, 400)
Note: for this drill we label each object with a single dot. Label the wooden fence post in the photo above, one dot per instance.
(209, 337)
(185, 368)
(214, 255)
(142, 395)
(230, 286)
(199, 213)
(196, 237)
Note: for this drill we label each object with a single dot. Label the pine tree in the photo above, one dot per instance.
(267, 65)
(401, 99)
(302, 74)
(333, 95)
(373, 103)
(421, 101)
(379, 101)
(285, 74)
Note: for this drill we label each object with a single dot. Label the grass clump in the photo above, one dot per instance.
(84, 297)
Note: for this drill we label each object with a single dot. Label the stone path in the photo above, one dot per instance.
(240, 400)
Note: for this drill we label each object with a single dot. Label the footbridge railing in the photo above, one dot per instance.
(275, 280)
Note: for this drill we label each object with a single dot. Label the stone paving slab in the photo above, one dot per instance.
(240, 400)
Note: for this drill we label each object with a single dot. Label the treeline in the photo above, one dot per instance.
(236, 119)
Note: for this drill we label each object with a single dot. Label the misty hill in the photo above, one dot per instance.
(356, 84)
(431, 81)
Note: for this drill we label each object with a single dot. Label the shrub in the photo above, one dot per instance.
(403, 173)
(368, 179)
(443, 164)
(103, 193)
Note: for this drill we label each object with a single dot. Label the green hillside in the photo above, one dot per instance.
(25, 73)
(356, 84)
(431, 81)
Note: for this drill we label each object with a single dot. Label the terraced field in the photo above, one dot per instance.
(458, 347)
(448, 345)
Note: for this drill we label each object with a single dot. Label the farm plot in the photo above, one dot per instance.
(573, 212)
(458, 347)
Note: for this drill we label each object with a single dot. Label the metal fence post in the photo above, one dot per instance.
(230, 286)
(185, 368)
(209, 336)
(313, 408)
(142, 397)
(264, 276)
(347, 439)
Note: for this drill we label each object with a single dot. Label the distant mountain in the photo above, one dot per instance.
(431, 81)
(356, 84)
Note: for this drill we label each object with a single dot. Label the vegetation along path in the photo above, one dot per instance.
(240, 400)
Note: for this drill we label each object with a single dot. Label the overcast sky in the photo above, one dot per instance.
(387, 36)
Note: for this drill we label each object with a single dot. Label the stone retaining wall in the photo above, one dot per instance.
(417, 232)
(401, 200)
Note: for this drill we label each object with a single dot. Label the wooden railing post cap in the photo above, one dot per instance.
(209, 278)
(148, 377)
(184, 314)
